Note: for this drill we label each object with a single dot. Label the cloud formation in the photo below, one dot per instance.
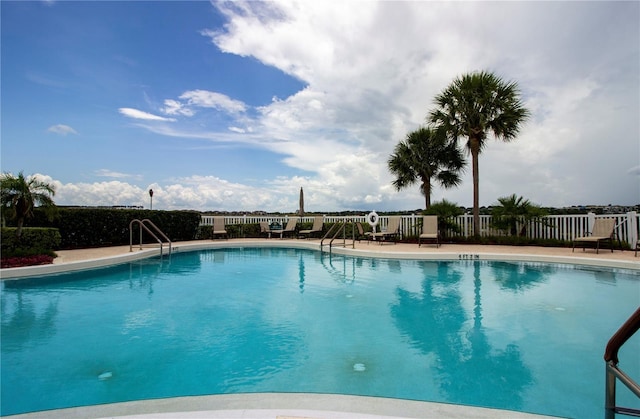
(61, 129)
(372, 69)
(138, 114)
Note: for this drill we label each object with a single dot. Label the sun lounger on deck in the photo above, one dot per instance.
(429, 230)
(392, 230)
(318, 223)
(602, 231)
(290, 228)
(219, 228)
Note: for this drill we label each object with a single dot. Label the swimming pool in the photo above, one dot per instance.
(521, 336)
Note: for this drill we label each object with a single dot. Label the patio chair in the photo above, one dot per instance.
(392, 230)
(318, 223)
(602, 231)
(290, 228)
(361, 234)
(265, 229)
(219, 228)
(429, 230)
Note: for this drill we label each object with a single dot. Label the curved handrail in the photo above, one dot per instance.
(627, 330)
(328, 233)
(143, 226)
(613, 372)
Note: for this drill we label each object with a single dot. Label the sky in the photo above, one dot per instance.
(235, 106)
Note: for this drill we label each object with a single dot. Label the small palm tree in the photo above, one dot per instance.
(474, 106)
(513, 210)
(426, 155)
(20, 195)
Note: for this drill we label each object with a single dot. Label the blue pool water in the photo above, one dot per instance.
(526, 337)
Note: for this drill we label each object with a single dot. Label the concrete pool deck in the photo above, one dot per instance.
(70, 260)
(295, 405)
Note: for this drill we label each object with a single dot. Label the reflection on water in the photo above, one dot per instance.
(520, 276)
(469, 369)
(25, 324)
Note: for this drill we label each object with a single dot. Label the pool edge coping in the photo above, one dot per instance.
(276, 405)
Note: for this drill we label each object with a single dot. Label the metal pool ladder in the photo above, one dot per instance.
(613, 372)
(335, 229)
(145, 224)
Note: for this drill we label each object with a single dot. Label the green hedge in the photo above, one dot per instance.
(33, 241)
(97, 227)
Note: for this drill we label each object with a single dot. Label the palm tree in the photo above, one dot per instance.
(426, 155)
(474, 106)
(19, 196)
(512, 210)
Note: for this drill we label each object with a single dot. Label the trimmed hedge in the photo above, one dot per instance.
(99, 227)
(34, 241)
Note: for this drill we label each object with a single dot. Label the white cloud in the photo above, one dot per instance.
(372, 69)
(61, 129)
(173, 107)
(138, 114)
(207, 99)
(115, 175)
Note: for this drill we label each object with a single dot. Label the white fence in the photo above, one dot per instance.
(559, 227)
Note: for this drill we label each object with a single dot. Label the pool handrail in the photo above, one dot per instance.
(628, 329)
(142, 224)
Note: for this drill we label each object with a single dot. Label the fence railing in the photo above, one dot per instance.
(559, 227)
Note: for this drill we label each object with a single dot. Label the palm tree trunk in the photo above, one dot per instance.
(426, 190)
(19, 225)
(474, 146)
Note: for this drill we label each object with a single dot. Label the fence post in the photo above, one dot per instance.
(632, 229)
(591, 220)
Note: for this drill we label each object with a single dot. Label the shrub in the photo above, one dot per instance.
(95, 227)
(34, 241)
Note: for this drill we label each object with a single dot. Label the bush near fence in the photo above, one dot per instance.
(99, 227)
(33, 241)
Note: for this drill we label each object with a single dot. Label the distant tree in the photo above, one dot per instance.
(513, 211)
(474, 106)
(19, 196)
(425, 156)
(446, 212)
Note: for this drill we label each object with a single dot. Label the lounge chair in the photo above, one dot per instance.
(318, 223)
(392, 230)
(290, 228)
(361, 234)
(265, 229)
(602, 231)
(429, 230)
(219, 228)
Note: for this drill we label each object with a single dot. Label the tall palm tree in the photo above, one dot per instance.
(472, 107)
(19, 196)
(426, 155)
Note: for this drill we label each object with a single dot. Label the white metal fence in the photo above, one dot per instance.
(559, 227)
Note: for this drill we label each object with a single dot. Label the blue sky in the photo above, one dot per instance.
(235, 106)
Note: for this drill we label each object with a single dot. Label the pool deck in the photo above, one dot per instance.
(296, 405)
(70, 260)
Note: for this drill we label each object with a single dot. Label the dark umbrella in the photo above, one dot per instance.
(301, 203)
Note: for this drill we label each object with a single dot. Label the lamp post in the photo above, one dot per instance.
(151, 196)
